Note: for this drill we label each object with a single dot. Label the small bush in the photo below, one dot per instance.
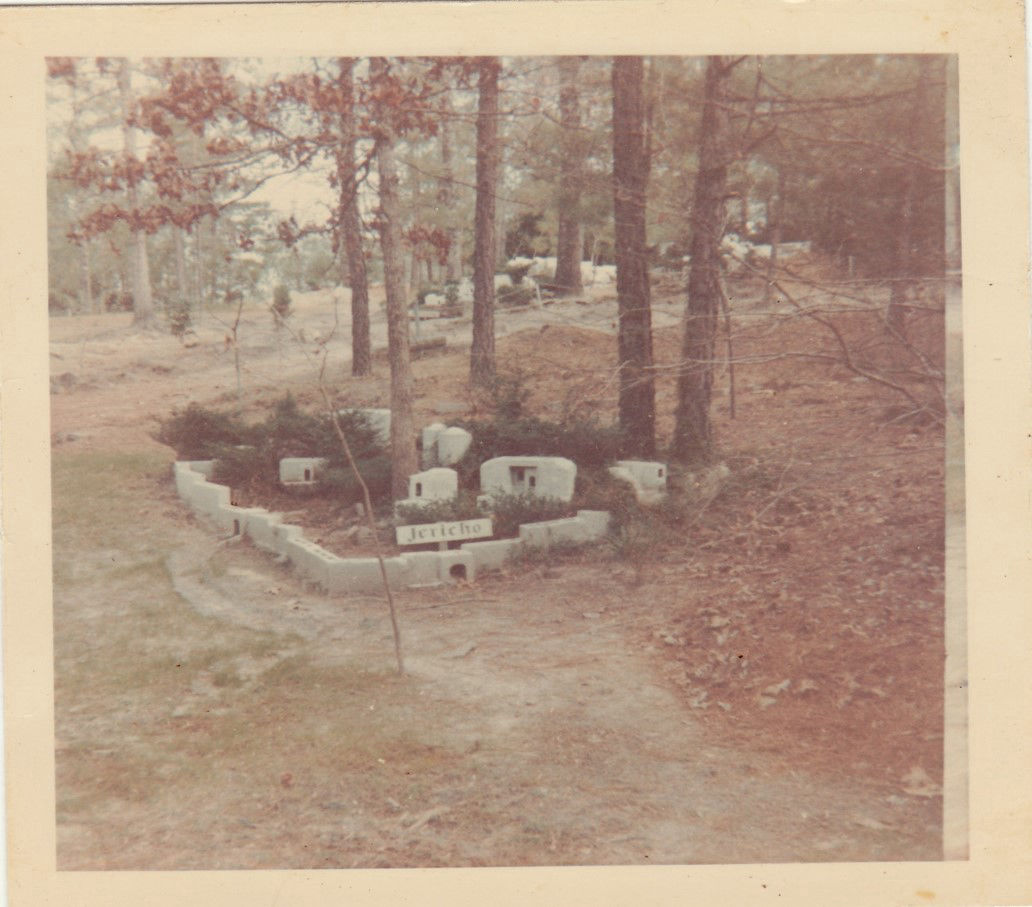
(197, 433)
(587, 443)
(340, 480)
(240, 466)
(178, 317)
(462, 507)
(508, 394)
(510, 511)
(596, 489)
(249, 455)
(281, 302)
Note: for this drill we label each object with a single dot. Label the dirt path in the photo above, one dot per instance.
(214, 713)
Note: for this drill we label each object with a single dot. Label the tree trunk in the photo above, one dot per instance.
(570, 241)
(88, 302)
(143, 302)
(182, 280)
(482, 354)
(351, 226)
(404, 460)
(903, 257)
(634, 337)
(414, 276)
(446, 195)
(693, 431)
(75, 139)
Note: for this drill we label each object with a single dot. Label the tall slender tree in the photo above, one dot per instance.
(903, 253)
(570, 240)
(404, 459)
(482, 354)
(143, 303)
(637, 405)
(77, 144)
(446, 191)
(693, 430)
(349, 224)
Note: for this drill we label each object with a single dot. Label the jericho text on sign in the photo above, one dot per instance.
(427, 533)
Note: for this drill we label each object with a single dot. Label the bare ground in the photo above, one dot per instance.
(764, 686)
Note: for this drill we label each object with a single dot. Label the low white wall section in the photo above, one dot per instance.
(647, 479)
(362, 575)
(586, 526)
(492, 555)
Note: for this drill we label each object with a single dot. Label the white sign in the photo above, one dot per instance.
(427, 533)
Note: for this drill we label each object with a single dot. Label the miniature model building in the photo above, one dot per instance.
(552, 477)
(648, 479)
(437, 484)
(444, 445)
(429, 439)
(452, 444)
(300, 470)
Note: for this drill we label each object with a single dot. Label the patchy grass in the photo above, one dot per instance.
(154, 706)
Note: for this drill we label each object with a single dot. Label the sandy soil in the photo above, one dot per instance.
(764, 685)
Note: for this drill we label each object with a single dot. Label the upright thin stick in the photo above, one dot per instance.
(369, 514)
(724, 305)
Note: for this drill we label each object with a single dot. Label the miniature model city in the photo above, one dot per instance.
(443, 446)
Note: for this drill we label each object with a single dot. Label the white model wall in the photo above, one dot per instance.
(362, 575)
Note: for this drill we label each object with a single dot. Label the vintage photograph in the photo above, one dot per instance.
(502, 461)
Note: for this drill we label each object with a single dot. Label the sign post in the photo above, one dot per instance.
(442, 533)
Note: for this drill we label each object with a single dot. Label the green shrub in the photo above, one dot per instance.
(240, 466)
(249, 455)
(596, 489)
(511, 432)
(340, 480)
(461, 507)
(197, 433)
(510, 511)
(587, 443)
(507, 394)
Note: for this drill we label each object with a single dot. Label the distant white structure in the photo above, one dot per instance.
(542, 270)
(452, 444)
(592, 273)
(648, 479)
(540, 476)
(300, 470)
